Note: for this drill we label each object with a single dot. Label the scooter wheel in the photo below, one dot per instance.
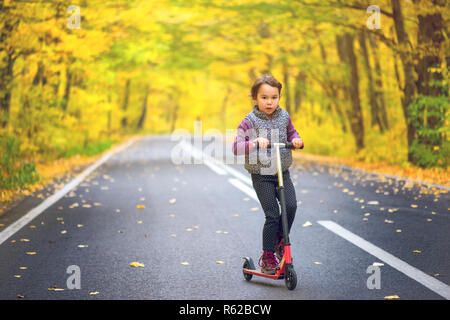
(290, 277)
(248, 264)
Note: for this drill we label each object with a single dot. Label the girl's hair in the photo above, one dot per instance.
(267, 79)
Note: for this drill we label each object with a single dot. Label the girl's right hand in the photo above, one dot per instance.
(263, 143)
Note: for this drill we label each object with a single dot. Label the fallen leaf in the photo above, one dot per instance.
(398, 230)
(417, 251)
(220, 262)
(388, 221)
(392, 297)
(254, 209)
(307, 224)
(185, 263)
(55, 289)
(373, 203)
(74, 205)
(140, 206)
(94, 293)
(86, 206)
(136, 264)
(31, 253)
(82, 246)
(63, 231)
(414, 206)
(317, 262)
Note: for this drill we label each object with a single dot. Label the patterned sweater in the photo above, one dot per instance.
(277, 127)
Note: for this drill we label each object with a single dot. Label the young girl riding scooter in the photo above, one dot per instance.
(268, 123)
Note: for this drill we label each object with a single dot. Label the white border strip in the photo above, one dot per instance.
(33, 213)
(243, 187)
(428, 281)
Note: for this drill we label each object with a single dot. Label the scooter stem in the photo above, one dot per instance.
(280, 172)
(280, 188)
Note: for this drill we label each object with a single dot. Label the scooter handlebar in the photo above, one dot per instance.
(287, 145)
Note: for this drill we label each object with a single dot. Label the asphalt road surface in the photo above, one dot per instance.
(187, 227)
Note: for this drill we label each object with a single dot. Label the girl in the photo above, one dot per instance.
(268, 123)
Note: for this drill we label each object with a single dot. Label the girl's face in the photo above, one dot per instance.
(267, 98)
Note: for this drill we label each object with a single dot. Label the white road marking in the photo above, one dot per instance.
(428, 281)
(244, 188)
(33, 213)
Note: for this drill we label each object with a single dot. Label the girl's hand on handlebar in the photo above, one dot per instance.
(263, 143)
(297, 142)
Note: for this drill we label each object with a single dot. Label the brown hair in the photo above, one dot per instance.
(267, 79)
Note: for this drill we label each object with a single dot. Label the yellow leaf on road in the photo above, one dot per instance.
(392, 297)
(307, 224)
(140, 206)
(136, 264)
(94, 293)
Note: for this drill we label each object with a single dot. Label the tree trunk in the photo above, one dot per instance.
(299, 90)
(126, 97)
(144, 109)
(356, 117)
(430, 39)
(379, 92)
(66, 97)
(287, 89)
(371, 91)
(351, 88)
(409, 87)
(6, 78)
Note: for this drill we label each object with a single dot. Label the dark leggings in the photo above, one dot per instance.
(266, 190)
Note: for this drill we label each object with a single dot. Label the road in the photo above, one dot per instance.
(189, 225)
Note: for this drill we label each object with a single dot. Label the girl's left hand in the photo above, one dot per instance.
(297, 142)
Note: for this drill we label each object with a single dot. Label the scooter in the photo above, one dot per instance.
(285, 270)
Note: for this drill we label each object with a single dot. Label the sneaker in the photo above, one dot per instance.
(269, 263)
(279, 250)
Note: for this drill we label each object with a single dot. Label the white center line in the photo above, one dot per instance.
(244, 188)
(428, 281)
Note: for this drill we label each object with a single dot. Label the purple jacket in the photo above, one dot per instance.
(242, 138)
